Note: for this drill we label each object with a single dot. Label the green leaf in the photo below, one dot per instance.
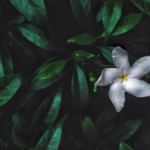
(82, 11)
(125, 130)
(47, 112)
(17, 20)
(1, 66)
(80, 89)
(125, 24)
(99, 14)
(79, 55)
(6, 60)
(33, 10)
(23, 44)
(16, 139)
(47, 82)
(89, 130)
(107, 52)
(111, 15)
(106, 115)
(41, 84)
(36, 36)
(51, 138)
(83, 39)
(143, 5)
(9, 86)
(50, 70)
(124, 146)
(21, 121)
(6, 65)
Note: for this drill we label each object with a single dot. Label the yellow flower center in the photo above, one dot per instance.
(123, 77)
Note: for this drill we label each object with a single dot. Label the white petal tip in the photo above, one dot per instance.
(118, 110)
(96, 84)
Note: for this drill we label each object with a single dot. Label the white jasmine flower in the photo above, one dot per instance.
(125, 78)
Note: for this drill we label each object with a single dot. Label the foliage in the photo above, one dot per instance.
(51, 54)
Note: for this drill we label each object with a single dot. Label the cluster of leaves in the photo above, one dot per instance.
(51, 54)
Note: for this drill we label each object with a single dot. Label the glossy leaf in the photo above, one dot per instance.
(143, 5)
(89, 130)
(50, 70)
(51, 138)
(124, 146)
(107, 52)
(35, 35)
(111, 15)
(47, 112)
(9, 86)
(83, 39)
(125, 24)
(82, 11)
(41, 84)
(16, 139)
(79, 55)
(80, 89)
(33, 10)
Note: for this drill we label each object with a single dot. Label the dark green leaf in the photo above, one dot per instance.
(107, 52)
(83, 39)
(5, 135)
(106, 115)
(21, 121)
(35, 35)
(82, 11)
(51, 138)
(17, 20)
(124, 146)
(33, 10)
(79, 55)
(24, 44)
(80, 89)
(99, 14)
(89, 130)
(6, 60)
(50, 70)
(1, 67)
(16, 139)
(9, 85)
(125, 130)
(145, 134)
(139, 146)
(47, 112)
(143, 5)
(41, 84)
(126, 23)
(111, 15)
(47, 82)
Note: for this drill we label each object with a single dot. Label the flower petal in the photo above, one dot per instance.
(136, 87)
(108, 76)
(120, 59)
(140, 68)
(117, 95)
